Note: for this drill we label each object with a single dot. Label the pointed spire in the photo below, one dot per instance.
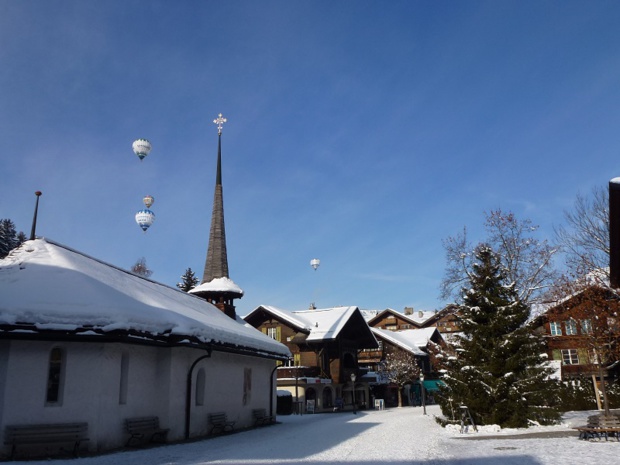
(216, 286)
(216, 265)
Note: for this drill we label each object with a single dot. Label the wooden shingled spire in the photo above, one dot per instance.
(216, 265)
(216, 285)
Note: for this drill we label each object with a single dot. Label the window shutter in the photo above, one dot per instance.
(278, 333)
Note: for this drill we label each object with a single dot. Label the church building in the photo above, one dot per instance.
(83, 342)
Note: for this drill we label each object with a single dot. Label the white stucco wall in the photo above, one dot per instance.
(156, 385)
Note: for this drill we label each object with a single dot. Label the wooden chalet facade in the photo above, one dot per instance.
(446, 320)
(392, 320)
(324, 344)
(397, 332)
(579, 327)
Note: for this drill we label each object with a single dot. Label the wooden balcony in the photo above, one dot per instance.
(298, 372)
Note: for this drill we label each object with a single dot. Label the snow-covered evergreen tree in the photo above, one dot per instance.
(189, 281)
(9, 238)
(498, 368)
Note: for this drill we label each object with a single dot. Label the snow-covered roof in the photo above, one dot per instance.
(402, 340)
(419, 337)
(218, 285)
(370, 314)
(320, 324)
(46, 286)
(326, 323)
(421, 316)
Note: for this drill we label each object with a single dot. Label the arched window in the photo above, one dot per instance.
(327, 398)
(200, 387)
(54, 377)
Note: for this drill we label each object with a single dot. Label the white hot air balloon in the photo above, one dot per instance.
(148, 201)
(141, 147)
(145, 219)
(314, 263)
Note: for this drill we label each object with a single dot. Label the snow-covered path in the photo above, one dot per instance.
(391, 437)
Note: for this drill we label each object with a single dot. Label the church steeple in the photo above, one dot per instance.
(216, 285)
(216, 265)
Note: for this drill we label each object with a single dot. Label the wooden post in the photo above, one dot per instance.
(598, 397)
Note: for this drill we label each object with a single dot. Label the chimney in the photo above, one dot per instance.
(408, 310)
(614, 233)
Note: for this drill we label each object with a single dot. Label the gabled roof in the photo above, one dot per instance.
(284, 316)
(321, 325)
(420, 337)
(389, 311)
(398, 339)
(50, 290)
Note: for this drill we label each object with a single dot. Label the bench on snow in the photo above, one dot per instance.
(599, 427)
(144, 430)
(219, 423)
(71, 434)
(261, 418)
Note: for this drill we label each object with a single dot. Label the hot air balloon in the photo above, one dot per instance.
(148, 201)
(145, 219)
(141, 147)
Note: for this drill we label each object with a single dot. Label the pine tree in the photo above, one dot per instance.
(9, 239)
(498, 368)
(189, 281)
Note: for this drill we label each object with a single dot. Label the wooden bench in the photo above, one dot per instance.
(261, 418)
(599, 427)
(144, 430)
(72, 434)
(219, 423)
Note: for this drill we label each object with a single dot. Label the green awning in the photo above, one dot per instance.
(432, 385)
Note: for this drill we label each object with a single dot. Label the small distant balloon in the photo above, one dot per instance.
(145, 219)
(141, 147)
(148, 201)
(314, 263)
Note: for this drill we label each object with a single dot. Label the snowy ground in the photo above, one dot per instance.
(394, 436)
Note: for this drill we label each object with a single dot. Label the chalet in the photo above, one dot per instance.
(412, 341)
(580, 329)
(446, 320)
(324, 344)
(392, 320)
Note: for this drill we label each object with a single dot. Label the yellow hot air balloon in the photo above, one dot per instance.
(148, 201)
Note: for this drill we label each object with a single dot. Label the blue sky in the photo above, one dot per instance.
(362, 133)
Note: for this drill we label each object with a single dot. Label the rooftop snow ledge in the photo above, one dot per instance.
(218, 285)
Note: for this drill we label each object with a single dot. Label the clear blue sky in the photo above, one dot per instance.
(360, 132)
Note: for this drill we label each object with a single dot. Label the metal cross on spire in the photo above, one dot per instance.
(220, 120)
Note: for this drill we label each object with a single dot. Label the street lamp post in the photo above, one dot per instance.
(353, 392)
(423, 392)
